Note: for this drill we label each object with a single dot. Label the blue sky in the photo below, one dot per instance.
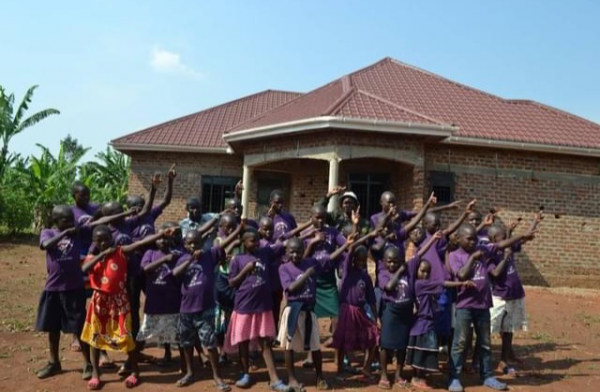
(114, 67)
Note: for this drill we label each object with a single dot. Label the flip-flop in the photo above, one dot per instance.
(75, 346)
(94, 384)
(384, 384)
(132, 381)
(510, 371)
(421, 385)
(401, 383)
(222, 386)
(185, 381)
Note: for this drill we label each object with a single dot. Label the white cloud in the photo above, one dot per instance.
(162, 60)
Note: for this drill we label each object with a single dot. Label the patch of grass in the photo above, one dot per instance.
(5, 355)
(15, 325)
(589, 319)
(542, 337)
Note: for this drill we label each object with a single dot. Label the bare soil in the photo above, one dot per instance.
(561, 352)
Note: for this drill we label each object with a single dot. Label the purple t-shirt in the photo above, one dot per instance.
(436, 255)
(278, 253)
(426, 294)
(357, 287)
(289, 273)
(282, 223)
(163, 289)
(403, 294)
(254, 293)
(145, 225)
(508, 285)
(479, 297)
(83, 216)
(323, 249)
(197, 285)
(404, 216)
(63, 262)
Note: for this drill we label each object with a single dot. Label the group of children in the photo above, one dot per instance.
(216, 283)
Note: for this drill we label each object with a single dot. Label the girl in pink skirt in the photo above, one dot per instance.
(252, 317)
(357, 328)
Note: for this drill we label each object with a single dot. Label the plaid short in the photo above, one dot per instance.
(199, 325)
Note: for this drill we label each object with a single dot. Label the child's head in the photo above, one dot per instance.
(135, 201)
(250, 240)
(277, 199)
(497, 232)
(432, 222)
(453, 241)
(393, 259)
(424, 270)
(294, 249)
(63, 218)
(349, 203)
(318, 216)
(235, 206)
(359, 257)
(81, 194)
(102, 237)
(194, 208)
(164, 243)
(417, 235)
(467, 237)
(266, 228)
(111, 208)
(387, 201)
(193, 241)
(474, 218)
(227, 223)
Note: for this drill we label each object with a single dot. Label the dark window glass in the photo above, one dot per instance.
(216, 191)
(442, 184)
(368, 187)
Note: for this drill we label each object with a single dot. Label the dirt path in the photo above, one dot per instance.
(561, 351)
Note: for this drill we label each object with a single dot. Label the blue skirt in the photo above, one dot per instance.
(396, 321)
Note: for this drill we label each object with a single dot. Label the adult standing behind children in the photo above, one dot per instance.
(341, 218)
(196, 219)
(282, 220)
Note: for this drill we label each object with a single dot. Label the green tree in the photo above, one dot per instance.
(12, 123)
(107, 178)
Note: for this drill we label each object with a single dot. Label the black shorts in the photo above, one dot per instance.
(61, 311)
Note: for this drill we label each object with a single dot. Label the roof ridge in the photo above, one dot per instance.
(405, 109)
(551, 109)
(444, 79)
(340, 102)
(212, 108)
(238, 126)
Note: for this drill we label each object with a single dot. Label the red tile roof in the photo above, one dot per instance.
(204, 129)
(387, 90)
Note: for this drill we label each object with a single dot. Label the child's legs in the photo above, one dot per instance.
(188, 359)
(400, 359)
(95, 356)
(507, 338)
(244, 351)
(289, 366)
(132, 359)
(54, 345)
(268, 357)
(134, 290)
(369, 355)
(481, 322)
(383, 361)
(340, 360)
(461, 329)
(213, 357)
(318, 361)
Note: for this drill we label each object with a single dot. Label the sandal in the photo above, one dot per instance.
(132, 381)
(279, 386)
(75, 346)
(186, 380)
(244, 382)
(51, 369)
(323, 385)
(510, 371)
(384, 384)
(401, 383)
(94, 384)
(421, 384)
(222, 386)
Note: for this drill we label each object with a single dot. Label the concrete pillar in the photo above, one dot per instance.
(246, 178)
(334, 177)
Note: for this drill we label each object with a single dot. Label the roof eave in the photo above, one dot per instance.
(124, 147)
(354, 124)
(536, 147)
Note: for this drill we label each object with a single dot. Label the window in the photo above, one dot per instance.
(216, 191)
(368, 187)
(267, 182)
(442, 184)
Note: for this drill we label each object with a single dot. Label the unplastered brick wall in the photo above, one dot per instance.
(566, 250)
(190, 169)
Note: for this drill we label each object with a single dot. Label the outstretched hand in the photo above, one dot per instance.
(471, 205)
(469, 284)
(432, 201)
(172, 172)
(336, 190)
(355, 218)
(156, 179)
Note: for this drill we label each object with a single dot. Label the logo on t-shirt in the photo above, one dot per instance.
(259, 270)
(145, 230)
(362, 290)
(196, 272)
(64, 246)
(306, 293)
(83, 219)
(122, 239)
(163, 271)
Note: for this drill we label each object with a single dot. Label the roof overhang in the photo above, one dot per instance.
(353, 124)
(123, 147)
(547, 148)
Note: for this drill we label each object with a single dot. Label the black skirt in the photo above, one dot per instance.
(61, 311)
(423, 351)
(396, 321)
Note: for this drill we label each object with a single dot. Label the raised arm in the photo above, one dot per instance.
(231, 237)
(456, 224)
(148, 240)
(298, 284)
(429, 243)
(527, 236)
(237, 280)
(486, 222)
(297, 230)
(501, 267)
(395, 278)
(94, 260)
(415, 221)
(467, 270)
(310, 248)
(51, 242)
(451, 206)
(157, 263)
(105, 220)
(169, 191)
(181, 268)
(156, 180)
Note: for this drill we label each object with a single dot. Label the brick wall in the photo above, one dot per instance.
(564, 253)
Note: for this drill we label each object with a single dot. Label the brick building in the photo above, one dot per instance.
(394, 126)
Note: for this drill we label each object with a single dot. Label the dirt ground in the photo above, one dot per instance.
(561, 351)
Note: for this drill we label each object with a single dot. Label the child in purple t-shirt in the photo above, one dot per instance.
(508, 310)
(422, 353)
(282, 221)
(396, 281)
(299, 330)
(470, 262)
(197, 309)
(252, 317)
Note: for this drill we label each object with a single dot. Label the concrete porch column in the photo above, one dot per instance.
(334, 177)
(246, 178)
